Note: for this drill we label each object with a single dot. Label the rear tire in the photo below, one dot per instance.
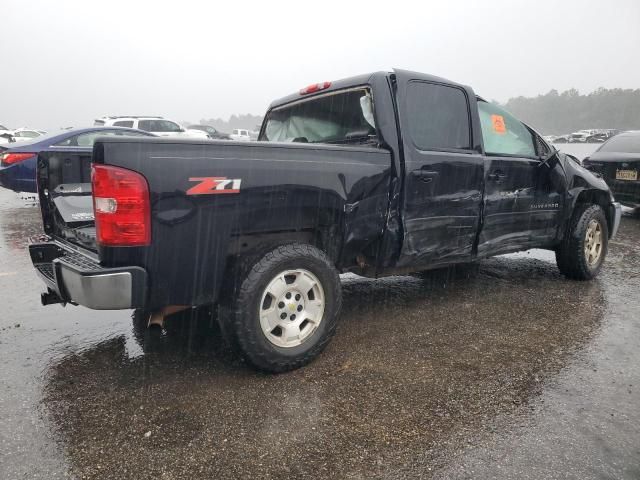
(582, 252)
(286, 308)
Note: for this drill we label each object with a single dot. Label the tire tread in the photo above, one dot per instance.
(570, 254)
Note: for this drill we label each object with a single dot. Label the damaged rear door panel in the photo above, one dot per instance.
(443, 170)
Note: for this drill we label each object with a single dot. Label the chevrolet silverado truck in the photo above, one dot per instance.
(382, 174)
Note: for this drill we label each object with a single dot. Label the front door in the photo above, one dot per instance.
(443, 170)
(523, 194)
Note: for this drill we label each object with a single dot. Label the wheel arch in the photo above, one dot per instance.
(245, 250)
(255, 244)
(596, 197)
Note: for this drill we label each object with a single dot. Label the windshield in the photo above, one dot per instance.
(622, 144)
(343, 117)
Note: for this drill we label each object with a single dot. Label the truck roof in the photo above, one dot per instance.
(352, 82)
(334, 85)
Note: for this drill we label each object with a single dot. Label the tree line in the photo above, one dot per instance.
(562, 113)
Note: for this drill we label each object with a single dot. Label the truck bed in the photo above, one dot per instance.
(332, 194)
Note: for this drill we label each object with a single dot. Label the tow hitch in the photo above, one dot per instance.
(50, 298)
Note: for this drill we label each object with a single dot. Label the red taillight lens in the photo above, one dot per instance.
(121, 205)
(13, 158)
(316, 87)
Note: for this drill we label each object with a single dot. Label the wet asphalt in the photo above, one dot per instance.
(507, 371)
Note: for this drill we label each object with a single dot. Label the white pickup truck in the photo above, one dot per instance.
(241, 134)
(159, 126)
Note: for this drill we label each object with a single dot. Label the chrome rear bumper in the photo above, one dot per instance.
(79, 279)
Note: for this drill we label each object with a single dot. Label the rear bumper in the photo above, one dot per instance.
(79, 279)
(616, 215)
(20, 177)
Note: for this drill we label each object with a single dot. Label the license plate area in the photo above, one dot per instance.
(626, 175)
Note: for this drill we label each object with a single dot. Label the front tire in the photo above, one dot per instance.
(582, 252)
(286, 308)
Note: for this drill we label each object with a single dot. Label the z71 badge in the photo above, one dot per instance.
(214, 185)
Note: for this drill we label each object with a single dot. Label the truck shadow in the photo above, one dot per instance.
(418, 367)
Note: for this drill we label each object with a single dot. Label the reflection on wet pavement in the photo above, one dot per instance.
(426, 376)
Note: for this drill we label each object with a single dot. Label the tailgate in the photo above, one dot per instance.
(64, 190)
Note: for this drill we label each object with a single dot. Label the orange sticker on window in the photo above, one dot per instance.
(498, 124)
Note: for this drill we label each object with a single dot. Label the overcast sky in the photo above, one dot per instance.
(66, 62)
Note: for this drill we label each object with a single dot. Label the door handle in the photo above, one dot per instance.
(496, 176)
(426, 176)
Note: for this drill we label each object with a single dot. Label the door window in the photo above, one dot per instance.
(503, 134)
(124, 123)
(159, 126)
(438, 117)
(167, 126)
(147, 125)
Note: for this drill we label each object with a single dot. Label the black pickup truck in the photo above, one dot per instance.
(382, 174)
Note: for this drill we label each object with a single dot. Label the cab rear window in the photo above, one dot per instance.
(337, 118)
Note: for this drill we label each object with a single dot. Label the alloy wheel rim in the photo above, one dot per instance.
(593, 243)
(291, 307)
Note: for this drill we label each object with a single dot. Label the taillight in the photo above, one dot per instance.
(121, 206)
(13, 158)
(316, 87)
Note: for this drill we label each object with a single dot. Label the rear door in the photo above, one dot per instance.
(524, 195)
(443, 169)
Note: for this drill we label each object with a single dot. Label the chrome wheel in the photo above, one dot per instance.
(291, 307)
(593, 243)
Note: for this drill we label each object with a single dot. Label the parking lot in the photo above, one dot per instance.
(505, 371)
